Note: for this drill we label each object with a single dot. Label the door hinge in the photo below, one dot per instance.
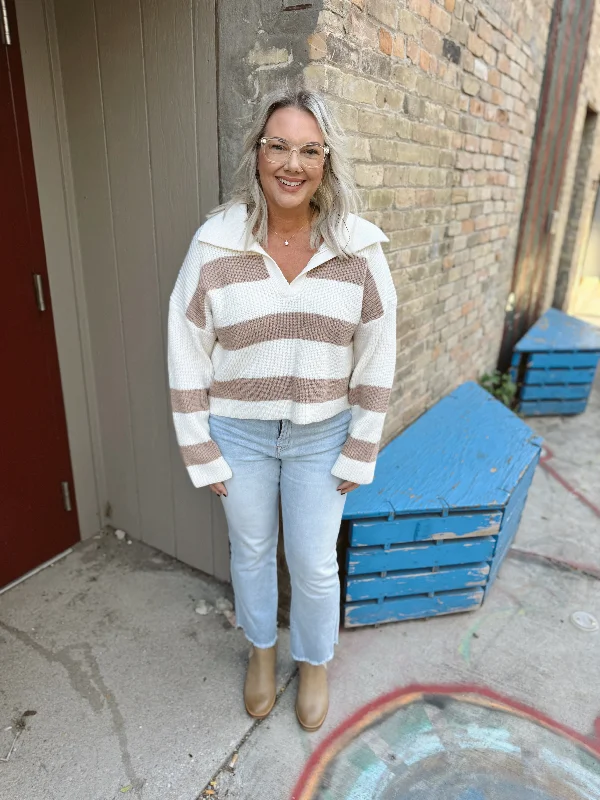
(66, 493)
(4, 24)
(39, 290)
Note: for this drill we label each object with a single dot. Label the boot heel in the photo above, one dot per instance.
(260, 687)
(312, 703)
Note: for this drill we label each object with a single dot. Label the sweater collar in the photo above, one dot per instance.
(228, 229)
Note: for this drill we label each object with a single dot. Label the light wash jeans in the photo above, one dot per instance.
(268, 457)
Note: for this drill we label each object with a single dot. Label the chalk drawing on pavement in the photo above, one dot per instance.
(451, 743)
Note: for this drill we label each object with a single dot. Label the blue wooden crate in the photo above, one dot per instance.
(554, 365)
(428, 535)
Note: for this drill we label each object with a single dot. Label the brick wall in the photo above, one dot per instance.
(439, 100)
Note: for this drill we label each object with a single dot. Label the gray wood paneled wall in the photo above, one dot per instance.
(139, 85)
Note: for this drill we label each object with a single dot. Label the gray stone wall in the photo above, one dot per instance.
(262, 44)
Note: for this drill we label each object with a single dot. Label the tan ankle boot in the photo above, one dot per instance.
(312, 702)
(260, 687)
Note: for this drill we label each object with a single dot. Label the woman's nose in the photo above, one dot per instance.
(293, 162)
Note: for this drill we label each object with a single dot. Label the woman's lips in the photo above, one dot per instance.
(294, 188)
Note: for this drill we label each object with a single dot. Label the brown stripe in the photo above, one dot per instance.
(284, 387)
(372, 307)
(223, 272)
(371, 398)
(359, 450)
(347, 270)
(200, 453)
(188, 401)
(292, 325)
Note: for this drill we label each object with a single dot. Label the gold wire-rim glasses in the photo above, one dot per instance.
(286, 154)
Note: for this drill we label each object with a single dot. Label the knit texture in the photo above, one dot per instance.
(243, 342)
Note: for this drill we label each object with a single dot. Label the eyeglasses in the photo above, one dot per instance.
(279, 151)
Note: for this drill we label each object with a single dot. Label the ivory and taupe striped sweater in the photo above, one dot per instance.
(243, 342)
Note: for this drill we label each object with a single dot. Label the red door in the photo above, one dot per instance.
(38, 518)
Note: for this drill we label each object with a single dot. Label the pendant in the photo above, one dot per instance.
(286, 243)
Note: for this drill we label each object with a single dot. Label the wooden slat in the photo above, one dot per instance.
(510, 525)
(404, 608)
(557, 360)
(82, 88)
(415, 529)
(548, 376)
(539, 408)
(417, 582)
(363, 560)
(556, 391)
(121, 58)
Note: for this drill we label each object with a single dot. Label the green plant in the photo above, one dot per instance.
(500, 386)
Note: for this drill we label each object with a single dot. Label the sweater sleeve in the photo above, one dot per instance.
(191, 338)
(373, 371)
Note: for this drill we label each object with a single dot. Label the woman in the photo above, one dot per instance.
(282, 341)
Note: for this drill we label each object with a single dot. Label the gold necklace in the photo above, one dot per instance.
(286, 240)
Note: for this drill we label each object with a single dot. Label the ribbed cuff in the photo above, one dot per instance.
(356, 471)
(213, 472)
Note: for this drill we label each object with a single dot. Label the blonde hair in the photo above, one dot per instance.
(336, 196)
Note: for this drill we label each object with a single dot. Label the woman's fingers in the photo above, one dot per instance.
(347, 486)
(218, 488)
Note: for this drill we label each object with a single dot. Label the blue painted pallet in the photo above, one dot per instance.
(361, 560)
(569, 376)
(419, 581)
(413, 607)
(428, 533)
(552, 407)
(566, 391)
(554, 365)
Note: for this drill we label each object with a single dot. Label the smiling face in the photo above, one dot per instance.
(289, 187)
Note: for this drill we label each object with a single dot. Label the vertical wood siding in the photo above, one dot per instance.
(567, 48)
(139, 83)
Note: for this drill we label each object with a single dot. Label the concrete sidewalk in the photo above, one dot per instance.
(114, 686)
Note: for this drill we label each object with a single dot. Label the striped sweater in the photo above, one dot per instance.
(243, 342)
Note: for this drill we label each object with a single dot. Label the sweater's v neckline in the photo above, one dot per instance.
(286, 287)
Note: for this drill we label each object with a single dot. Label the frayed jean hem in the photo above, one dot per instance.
(314, 663)
(255, 644)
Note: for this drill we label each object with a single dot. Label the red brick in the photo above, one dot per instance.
(424, 60)
(450, 5)
(385, 41)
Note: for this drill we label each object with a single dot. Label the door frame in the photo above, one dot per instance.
(49, 135)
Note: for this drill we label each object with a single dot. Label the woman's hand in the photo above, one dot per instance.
(218, 488)
(347, 486)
